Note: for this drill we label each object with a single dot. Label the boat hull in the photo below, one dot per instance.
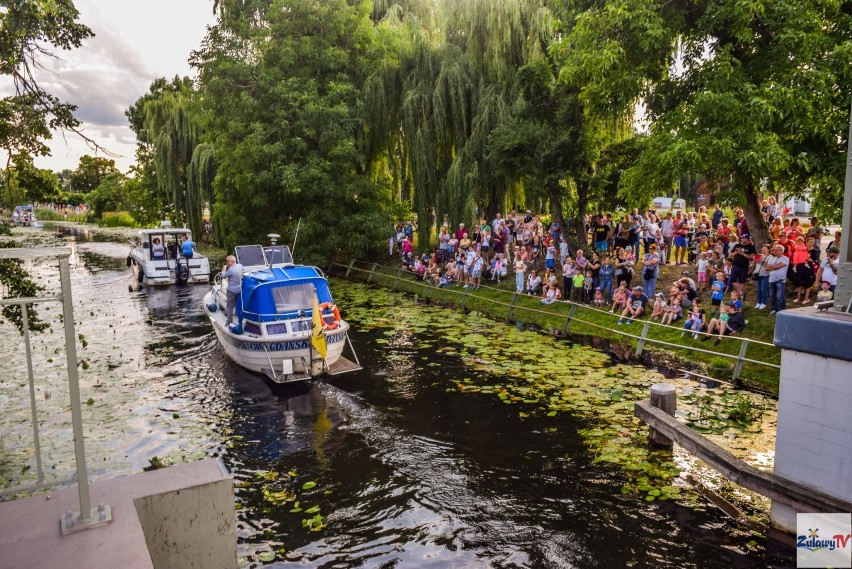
(284, 357)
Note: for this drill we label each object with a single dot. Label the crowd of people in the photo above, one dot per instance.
(620, 266)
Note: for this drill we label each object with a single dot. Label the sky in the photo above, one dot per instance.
(136, 41)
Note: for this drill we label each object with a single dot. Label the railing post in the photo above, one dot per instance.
(641, 345)
(33, 413)
(349, 268)
(739, 367)
(372, 270)
(69, 524)
(512, 308)
(663, 397)
(571, 312)
(464, 298)
(396, 282)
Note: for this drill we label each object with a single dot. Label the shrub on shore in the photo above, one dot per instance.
(117, 219)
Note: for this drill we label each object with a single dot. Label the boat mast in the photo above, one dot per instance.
(293, 249)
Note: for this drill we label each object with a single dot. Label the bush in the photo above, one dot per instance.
(117, 219)
(48, 214)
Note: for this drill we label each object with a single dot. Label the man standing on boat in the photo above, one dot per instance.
(232, 274)
(187, 247)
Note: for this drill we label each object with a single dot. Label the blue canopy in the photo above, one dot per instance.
(280, 293)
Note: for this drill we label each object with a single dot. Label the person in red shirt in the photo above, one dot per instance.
(724, 232)
(788, 245)
(461, 232)
(795, 230)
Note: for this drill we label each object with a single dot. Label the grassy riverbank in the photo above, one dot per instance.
(499, 300)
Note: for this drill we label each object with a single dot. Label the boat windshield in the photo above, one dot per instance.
(278, 254)
(293, 297)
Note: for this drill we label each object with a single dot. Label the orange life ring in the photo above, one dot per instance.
(334, 312)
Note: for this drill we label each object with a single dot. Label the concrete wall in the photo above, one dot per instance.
(191, 528)
(814, 440)
(181, 516)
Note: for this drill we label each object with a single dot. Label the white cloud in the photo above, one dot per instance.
(136, 41)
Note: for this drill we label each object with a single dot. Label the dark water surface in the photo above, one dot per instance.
(408, 470)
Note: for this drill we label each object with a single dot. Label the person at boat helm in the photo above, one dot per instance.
(187, 247)
(158, 252)
(232, 274)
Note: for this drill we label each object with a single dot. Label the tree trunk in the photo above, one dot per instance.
(757, 226)
(554, 192)
(578, 240)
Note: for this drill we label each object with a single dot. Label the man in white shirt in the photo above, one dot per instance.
(828, 268)
(667, 230)
(776, 264)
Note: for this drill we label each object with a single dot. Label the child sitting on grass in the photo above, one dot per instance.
(659, 306)
(672, 312)
(599, 300)
(619, 298)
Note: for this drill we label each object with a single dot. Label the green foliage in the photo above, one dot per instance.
(15, 278)
(27, 32)
(116, 219)
(287, 148)
(432, 109)
(110, 195)
(169, 181)
(756, 93)
(90, 172)
(24, 183)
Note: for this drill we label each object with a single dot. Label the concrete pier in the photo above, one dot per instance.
(177, 517)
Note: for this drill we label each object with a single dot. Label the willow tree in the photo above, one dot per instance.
(279, 83)
(168, 136)
(432, 110)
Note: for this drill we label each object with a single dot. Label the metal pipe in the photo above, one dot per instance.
(25, 314)
(74, 390)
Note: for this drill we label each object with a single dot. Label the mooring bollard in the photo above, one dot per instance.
(663, 397)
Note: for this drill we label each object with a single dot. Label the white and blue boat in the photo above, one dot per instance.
(275, 330)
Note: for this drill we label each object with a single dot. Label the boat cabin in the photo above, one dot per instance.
(280, 300)
(162, 244)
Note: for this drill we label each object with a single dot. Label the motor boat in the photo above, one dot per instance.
(286, 325)
(156, 258)
(23, 215)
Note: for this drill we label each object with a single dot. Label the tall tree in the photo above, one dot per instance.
(751, 92)
(279, 85)
(167, 133)
(90, 172)
(28, 30)
(432, 109)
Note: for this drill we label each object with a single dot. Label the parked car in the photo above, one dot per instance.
(669, 203)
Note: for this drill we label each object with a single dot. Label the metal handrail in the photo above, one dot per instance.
(87, 517)
(642, 338)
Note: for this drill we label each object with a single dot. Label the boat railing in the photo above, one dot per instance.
(86, 517)
(568, 312)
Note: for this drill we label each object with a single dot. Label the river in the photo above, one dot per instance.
(464, 442)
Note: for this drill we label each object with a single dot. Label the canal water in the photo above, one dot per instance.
(464, 442)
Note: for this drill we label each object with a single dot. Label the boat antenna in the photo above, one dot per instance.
(293, 250)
